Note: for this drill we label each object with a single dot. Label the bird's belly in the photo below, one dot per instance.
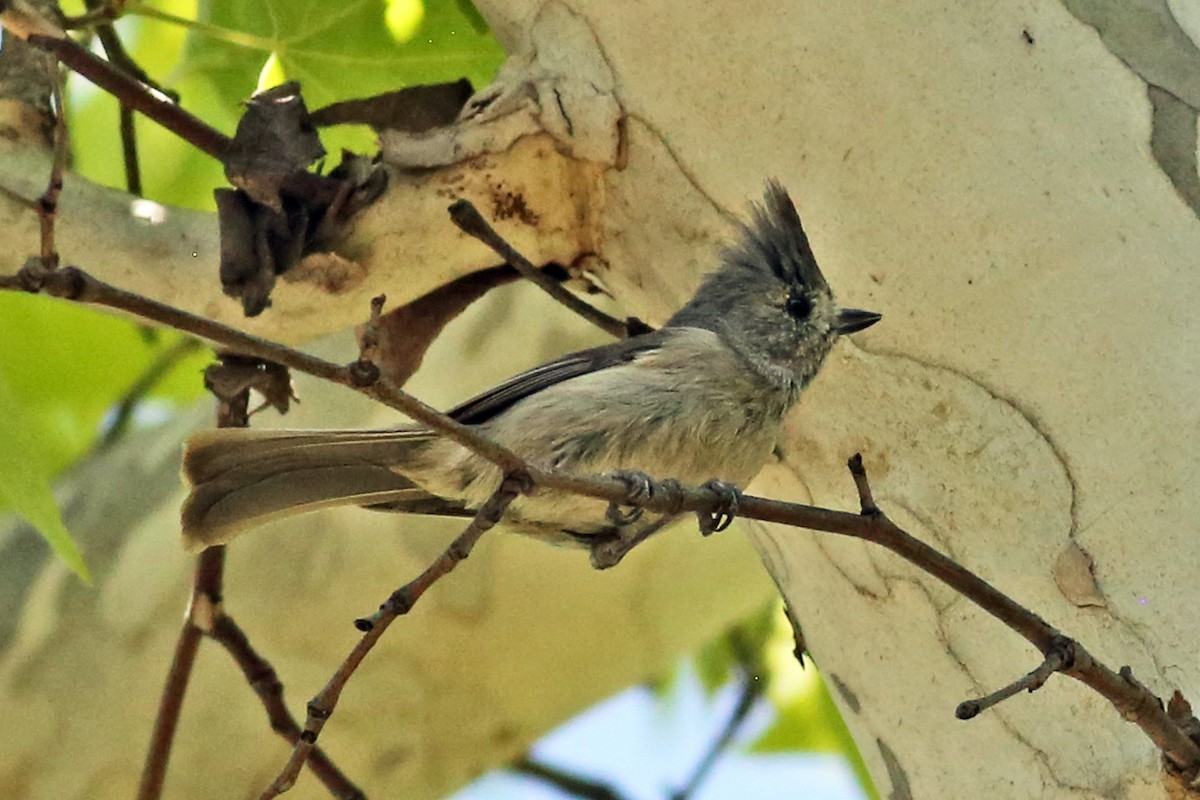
(699, 439)
(689, 457)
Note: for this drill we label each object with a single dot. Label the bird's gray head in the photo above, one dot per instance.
(769, 300)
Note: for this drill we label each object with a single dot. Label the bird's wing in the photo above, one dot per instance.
(484, 407)
(425, 503)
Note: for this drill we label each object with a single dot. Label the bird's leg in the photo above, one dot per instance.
(608, 551)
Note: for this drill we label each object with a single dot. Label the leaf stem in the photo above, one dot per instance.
(229, 35)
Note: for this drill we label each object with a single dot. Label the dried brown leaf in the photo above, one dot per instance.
(1075, 578)
(404, 334)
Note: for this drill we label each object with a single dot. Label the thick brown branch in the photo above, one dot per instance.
(135, 94)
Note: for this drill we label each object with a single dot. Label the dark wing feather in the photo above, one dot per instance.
(429, 504)
(484, 407)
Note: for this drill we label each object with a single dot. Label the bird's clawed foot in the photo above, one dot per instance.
(640, 487)
(729, 497)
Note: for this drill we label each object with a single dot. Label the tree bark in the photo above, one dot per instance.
(1013, 187)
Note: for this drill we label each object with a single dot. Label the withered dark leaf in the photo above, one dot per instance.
(415, 109)
(1180, 710)
(274, 138)
(365, 180)
(236, 374)
(403, 335)
(243, 274)
(257, 244)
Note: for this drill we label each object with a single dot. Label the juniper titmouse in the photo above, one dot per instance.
(701, 398)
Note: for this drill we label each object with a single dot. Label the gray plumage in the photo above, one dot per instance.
(701, 398)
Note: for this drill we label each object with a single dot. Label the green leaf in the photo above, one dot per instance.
(808, 720)
(739, 647)
(337, 51)
(62, 368)
(173, 172)
(66, 366)
(218, 60)
(343, 50)
(714, 665)
(217, 56)
(25, 482)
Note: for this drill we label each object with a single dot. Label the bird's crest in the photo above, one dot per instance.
(775, 238)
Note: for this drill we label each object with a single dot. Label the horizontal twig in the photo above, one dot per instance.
(1060, 657)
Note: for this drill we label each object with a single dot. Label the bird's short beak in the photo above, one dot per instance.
(852, 320)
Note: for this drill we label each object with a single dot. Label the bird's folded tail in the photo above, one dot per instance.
(240, 479)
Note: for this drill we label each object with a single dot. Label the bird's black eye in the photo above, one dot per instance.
(799, 306)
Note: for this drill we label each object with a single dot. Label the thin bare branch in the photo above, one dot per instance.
(146, 100)
(97, 14)
(47, 204)
(748, 694)
(1143, 708)
(208, 583)
(467, 217)
(368, 340)
(401, 601)
(119, 57)
(1058, 659)
(155, 372)
(574, 785)
(115, 50)
(1133, 701)
(261, 677)
(129, 152)
(72, 283)
(206, 591)
(206, 617)
(866, 502)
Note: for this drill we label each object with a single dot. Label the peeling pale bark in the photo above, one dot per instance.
(1012, 187)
